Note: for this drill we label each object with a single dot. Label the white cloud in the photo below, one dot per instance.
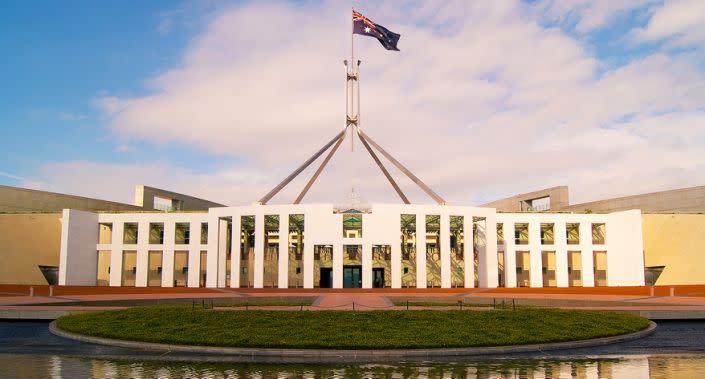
(588, 15)
(681, 22)
(481, 102)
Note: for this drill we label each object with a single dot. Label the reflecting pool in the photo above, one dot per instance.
(633, 367)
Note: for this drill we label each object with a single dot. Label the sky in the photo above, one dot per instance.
(222, 100)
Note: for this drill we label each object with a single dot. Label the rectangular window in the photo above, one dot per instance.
(182, 233)
(548, 268)
(575, 265)
(154, 275)
(247, 251)
(271, 251)
(572, 231)
(598, 234)
(156, 233)
(103, 275)
(433, 251)
(381, 266)
(600, 267)
(500, 233)
(457, 251)
(521, 234)
(323, 266)
(523, 268)
(204, 233)
(352, 225)
(203, 272)
(180, 268)
(129, 233)
(129, 268)
(500, 268)
(408, 250)
(547, 234)
(105, 234)
(296, 250)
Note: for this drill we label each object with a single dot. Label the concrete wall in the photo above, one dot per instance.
(558, 198)
(28, 240)
(79, 234)
(675, 241)
(144, 197)
(683, 200)
(22, 200)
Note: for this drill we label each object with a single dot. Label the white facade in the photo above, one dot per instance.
(323, 226)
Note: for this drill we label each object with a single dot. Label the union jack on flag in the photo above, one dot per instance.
(366, 27)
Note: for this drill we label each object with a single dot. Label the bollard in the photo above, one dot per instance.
(514, 307)
(31, 291)
(494, 303)
(673, 291)
(302, 307)
(246, 305)
(651, 291)
(460, 305)
(51, 290)
(407, 305)
(353, 305)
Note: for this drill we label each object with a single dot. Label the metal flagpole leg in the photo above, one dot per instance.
(289, 178)
(403, 169)
(320, 169)
(381, 167)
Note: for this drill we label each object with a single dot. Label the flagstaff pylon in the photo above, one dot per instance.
(352, 125)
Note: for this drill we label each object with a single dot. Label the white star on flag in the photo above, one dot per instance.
(367, 29)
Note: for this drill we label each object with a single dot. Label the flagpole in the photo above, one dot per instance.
(352, 68)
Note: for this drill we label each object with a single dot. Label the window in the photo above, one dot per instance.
(457, 251)
(105, 235)
(182, 233)
(408, 249)
(156, 233)
(204, 233)
(352, 225)
(598, 234)
(547, 234)
(521, 234)
(129, 235)
(296, 250)
(573, 233)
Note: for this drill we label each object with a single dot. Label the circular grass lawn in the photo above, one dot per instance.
(350, 330)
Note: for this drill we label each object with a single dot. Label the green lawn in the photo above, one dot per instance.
(350, 330)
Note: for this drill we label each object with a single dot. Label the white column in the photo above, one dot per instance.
(337, 265)
(536, 273)
(222, 251)
(116, 254)
(396, 262)
(142, 254)
(194, 266)
(283, 273)
(366, 265)
(168, 254)
(468, 252)
(510, 264)
(259, 250)
(487, 264)
(420, 250)
(445, 251)
(560, 241)
(236, 252)
(308, 263)
(212, 255)
(586, 254)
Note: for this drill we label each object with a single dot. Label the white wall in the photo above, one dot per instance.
(380, 227)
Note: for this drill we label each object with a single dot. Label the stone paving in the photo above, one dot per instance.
(601, 298)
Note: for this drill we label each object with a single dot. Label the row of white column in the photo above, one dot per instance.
(487, 259)
(143, 247)
(560, 247)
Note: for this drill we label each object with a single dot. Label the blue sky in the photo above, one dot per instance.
(222, 99)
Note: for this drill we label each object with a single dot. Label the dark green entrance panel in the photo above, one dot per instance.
(352, 276)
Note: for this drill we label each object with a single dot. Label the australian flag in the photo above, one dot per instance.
(365, 26)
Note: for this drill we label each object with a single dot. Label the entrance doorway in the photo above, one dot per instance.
(352, 276)
(326, 277)
(377, 278)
